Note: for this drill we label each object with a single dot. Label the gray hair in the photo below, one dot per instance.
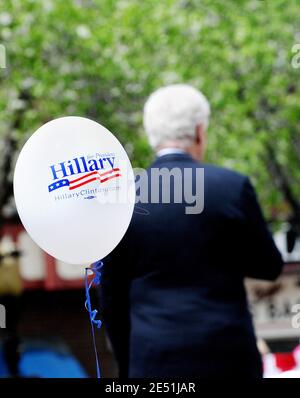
(172, 113)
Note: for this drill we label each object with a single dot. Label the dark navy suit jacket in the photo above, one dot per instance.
(173, 295)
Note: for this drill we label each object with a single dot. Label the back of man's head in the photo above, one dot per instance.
(172, 113)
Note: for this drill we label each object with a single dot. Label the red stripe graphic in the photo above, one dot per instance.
(109, 178)
(84, 182)
(97, 175)
(86, 175)
(109, 172)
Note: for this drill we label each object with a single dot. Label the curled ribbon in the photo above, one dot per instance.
(140, 210)
(95, 269)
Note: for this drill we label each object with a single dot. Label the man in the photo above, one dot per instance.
(173, 293)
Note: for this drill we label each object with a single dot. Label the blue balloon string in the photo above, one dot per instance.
(95, 268)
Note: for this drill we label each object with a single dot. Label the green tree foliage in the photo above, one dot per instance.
(102, 58)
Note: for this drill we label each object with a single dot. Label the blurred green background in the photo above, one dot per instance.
(102, 58)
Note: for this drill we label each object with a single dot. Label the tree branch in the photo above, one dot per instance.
(281, 181)
(10, 147)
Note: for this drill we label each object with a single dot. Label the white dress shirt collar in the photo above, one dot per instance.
(169, 151)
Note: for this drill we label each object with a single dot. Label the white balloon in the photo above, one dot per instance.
(290, 374)
(74, 189)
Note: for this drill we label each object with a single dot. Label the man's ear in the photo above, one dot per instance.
(199, 133)
(200, 141)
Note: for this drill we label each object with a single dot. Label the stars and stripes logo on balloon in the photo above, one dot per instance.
(87, 178)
